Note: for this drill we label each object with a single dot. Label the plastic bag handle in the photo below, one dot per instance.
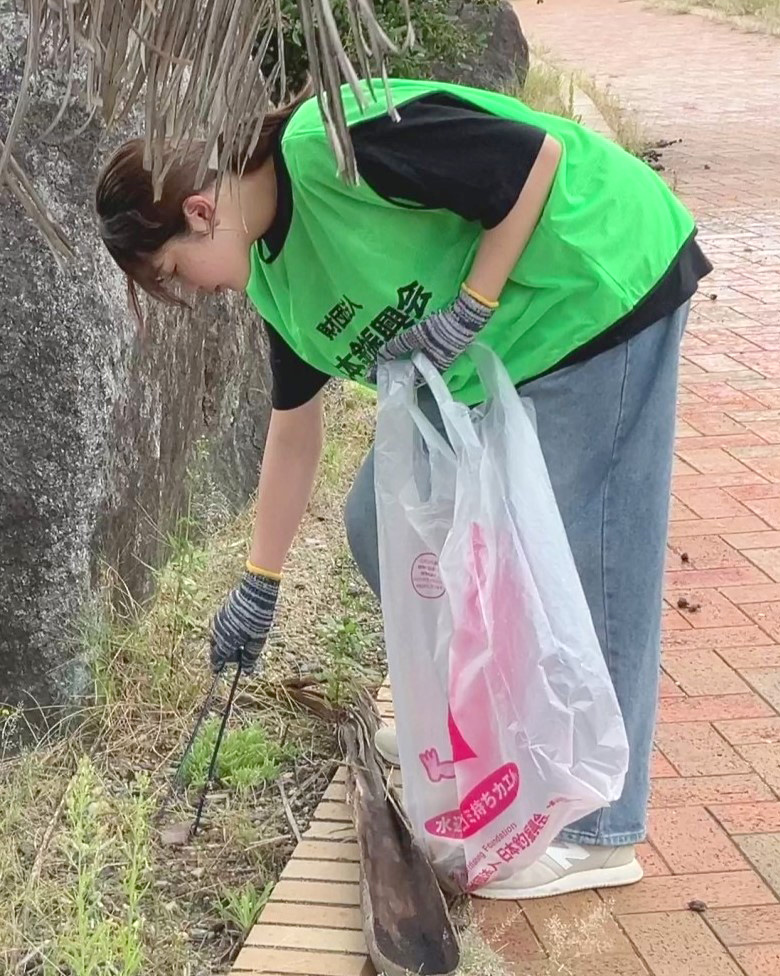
(432, 438)
(491, 371)
(456, 416)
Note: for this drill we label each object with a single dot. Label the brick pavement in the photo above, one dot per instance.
(715, 817)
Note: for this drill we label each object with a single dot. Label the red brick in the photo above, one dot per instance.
(669, 688)
(703, 552)
(678, 945)
(764, 538)
(692, 440)
(703, 673)
(660, 767)
(767, 616)
(754, 492)
(692, 842)
(736, 479)
(742, 524)
(751, 657)
(766, 681)
(767, 508)
(730, 576)
(652, 863)
(710, 460)
(688, 399)
(679, 512)
(759, 960)
(691, 640)
(748, 818)
(730, 889)
(576, 960)
(680, 467)
(696, 749)
(712, 708)
(672, 619)
(769, 398)
(713, 609)
(765, 759)
(717, 362)
(504, 926)
(763, 850)
(745, 732)
(758, 593)
(768, 430)
(582, 909)
(764, 460)
(724, 395)
(711, 502)
(767, 560)
(743, 926)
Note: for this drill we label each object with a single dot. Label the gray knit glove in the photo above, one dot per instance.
(243, 622)
(442, 335)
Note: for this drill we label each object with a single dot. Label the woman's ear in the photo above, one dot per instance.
(199, 213)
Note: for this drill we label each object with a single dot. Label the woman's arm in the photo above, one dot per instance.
(292, 454)
(445, 334)
(502, 245)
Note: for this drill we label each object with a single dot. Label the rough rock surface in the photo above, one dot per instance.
(97, 426)
(504, 63)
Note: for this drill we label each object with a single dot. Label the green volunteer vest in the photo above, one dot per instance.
(355, 269)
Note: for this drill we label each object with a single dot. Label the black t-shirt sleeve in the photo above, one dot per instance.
(295, 382)
(446, 153)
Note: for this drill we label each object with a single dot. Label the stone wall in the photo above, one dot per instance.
(97, 425)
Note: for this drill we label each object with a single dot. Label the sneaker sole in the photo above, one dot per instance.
(626, 874)
(390, 759)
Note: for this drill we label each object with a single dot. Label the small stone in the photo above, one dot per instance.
(176, 835)
(682, 603)
(712, 296)
(697, 906)
(684, 557)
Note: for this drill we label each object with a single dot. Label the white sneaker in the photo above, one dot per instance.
(386, 744)
(569, 867)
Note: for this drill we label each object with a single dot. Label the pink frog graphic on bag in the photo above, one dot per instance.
(471, 674)
(484, 803)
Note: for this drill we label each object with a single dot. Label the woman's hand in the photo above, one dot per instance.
(292, 451)
(442, 336)
(240, 628)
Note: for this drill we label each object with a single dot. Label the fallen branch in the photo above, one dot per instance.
(288, 812)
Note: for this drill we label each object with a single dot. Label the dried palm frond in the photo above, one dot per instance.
(405, 919)
(406, 922)
(195, 68)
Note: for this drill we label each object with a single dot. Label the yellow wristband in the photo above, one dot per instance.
(478, 298)
(257, 571)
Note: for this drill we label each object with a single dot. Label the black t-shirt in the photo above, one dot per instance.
(445, 153)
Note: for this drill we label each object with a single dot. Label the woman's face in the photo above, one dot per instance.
(213, 255)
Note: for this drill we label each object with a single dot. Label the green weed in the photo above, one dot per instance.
(247, 758)
(241, 906)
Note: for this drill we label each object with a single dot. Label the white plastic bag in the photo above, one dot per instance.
(508, 726)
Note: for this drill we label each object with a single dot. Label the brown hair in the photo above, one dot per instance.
(133, 225)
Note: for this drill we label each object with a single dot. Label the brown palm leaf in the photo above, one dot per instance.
(193, 68)
(405, 918)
